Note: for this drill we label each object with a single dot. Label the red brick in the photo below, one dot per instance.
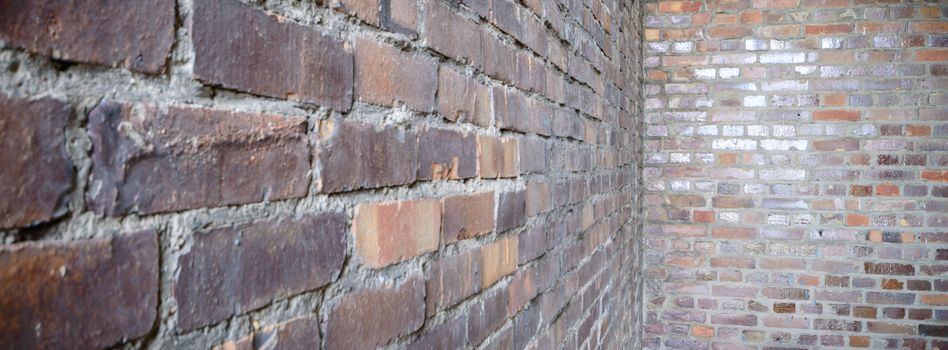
(733, 233)
(80, 294)
(135, 35)
(703, 216)
(373, 317)
(887, 190)
(35, 168)
(934, 299)
(462, 99)
(873, 268)
(686, 201)
(389, 232)
(498, 260)
(516, 111)
(498, 59)
(386, 76)
(734, 319)
(467, 216)
(931, 55)
(274, 58)
(201, 158)
(857, 220)
(935, 175)
(521, 291)
(929, 27)
(738, 263)
(486, 316)
(828, 29)
(452, 279)
(446, 154)
(298, 333)
(776, 4)
(732, 202)
(860, 190)
(511, 210)
(451, 334)
(836, 115)
(497, 157)
(230, 270)
(729, 32)
(452, 35)
(356, 155)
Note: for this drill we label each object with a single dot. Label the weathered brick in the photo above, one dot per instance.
(389, 232)
(399, 16)
(498, 259)
(467, 216)
(229, 270)
(83, 294)
(133, 35)
(835, 115)
(498, 157)
(355, 155)
(35, 168)
(452, 334)
(889, 269)
(734, 319)
(297, 333)
(452, 279)
(511, 210)
(452, 35)
(376, 316)
(274, 58)
(384, 75)
(201, 158)
(462, 98)
(446, 154)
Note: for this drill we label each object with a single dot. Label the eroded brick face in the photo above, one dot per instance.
(794, 154)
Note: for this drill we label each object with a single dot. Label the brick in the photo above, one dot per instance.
(889, 269)
(733, 233)
(202, 158)
(686, 201)
(298, 333)
(86, 294)
(511, 210)
(386, 76)
(890, 298)
(376, 316)
(228, 271)
(828, 29)
(467, 216)
(533, 156)
(785, 308)
(399, 16)
(835, 115)
(734, 319)
(498, 157)
(731, 202)
(452, 334)
(837, 325)
(452, 279)
(486, 316)
(498, 260)
(356, 155)
(934, 299)
(935, 175)
(275, 58)
(931, 55)
(85, 31)
(390, 232)
(838, 145)
(521, 290)
(462, 99)
(452, 35)
(34, 164)
(446, 154)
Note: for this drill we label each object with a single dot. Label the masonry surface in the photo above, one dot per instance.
(796, 174)
(345, 174)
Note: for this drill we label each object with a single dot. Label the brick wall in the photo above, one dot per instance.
(795, 177)
(416, 174)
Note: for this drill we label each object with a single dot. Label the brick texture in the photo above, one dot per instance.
(793, 159)
(419, 174)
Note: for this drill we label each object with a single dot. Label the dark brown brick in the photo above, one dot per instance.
(384, 75)
(355, 155)
(498, 59)
(452, 35)
(462, 99)
(451, 334)
(889, 269)
(864, 312)
(36, 171)
(933, 330)
(452, 279)
(201, 158)
(486, 316)
(467, 216)
(511, 210)
(446, 154)
(231, 270)
(785, 308)
(370, 318)
(131, 34)
(515, 111)
(272, 58)
(78, 294)
(298, 333)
